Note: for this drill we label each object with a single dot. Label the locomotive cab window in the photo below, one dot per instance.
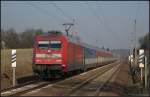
(55, 44)
(43, 44)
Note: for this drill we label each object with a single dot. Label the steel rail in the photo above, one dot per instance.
(27, 88)
(76, 88)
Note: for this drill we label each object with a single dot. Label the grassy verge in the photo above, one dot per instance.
(24, 65)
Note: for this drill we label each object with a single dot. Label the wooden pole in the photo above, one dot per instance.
(146, 72)
(14, 76)
(141, 76)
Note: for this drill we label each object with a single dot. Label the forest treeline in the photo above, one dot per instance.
(145, 41)
(11, 39)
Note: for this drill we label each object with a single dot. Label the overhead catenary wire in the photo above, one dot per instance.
(58, 8)
(102, 4)
(93, 12)
(45, 12)
(105, 23)
(91, 9)
(48, 13)
(66, 15)
(96, 15)
(55, 5)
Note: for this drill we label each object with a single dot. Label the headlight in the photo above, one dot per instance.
(38, 60)
(56, 55)
(58, 60)
(63, 65)
(40, 55)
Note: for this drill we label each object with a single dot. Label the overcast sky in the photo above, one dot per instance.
(100, 23)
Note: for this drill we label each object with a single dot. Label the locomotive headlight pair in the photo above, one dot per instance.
(47, 56)
(38, 60)
(63, 65)
(56, 55)
(40, 55)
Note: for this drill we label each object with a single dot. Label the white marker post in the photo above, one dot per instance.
(131, 58)
(13, 65)
(141, 62)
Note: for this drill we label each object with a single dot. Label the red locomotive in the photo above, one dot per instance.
(56, 53)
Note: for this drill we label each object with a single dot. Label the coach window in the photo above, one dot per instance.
(55, 44)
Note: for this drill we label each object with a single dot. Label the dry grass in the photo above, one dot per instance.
(24, 65)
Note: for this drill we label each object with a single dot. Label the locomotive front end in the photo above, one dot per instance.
(48, 52)
(48, 55)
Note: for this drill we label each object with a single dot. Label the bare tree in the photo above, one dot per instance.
(25, 39)
(11, 38)
(144, 41)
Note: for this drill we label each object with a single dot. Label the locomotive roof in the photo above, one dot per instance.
(54, 32)
(75, 39)
(93, 47)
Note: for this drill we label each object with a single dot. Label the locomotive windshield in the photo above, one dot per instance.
(55, 44)
(49, 44)
(43, 44)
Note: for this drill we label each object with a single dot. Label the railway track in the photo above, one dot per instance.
(93, 85)
(16, 91)
(88, 83)
(18, 86)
